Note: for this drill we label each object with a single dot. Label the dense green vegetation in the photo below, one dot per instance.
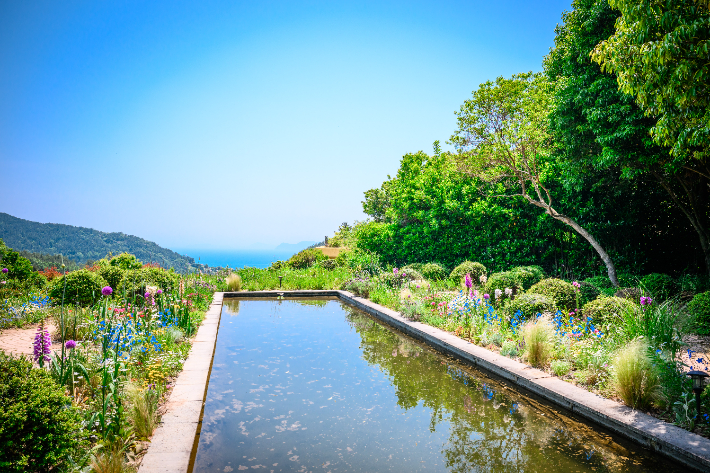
(84, 244)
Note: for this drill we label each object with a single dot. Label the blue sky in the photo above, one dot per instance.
(232, 125)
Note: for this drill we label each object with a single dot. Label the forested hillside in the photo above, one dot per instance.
(83, 244)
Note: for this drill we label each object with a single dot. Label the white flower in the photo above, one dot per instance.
(498, 293)
(483, 279)
(508, 291)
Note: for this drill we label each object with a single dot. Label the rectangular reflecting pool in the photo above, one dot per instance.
(313, 385)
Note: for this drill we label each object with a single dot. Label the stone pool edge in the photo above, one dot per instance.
(172, 443)
(682, 446)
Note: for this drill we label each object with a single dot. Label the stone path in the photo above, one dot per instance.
(18, 341)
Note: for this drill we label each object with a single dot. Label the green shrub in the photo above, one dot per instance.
(328, 264)
(476, 270)
(600, 282)
(135, 281)
(126, 262)
(433, 271)
(528, 275)
(306, 258)
(83, 287)
(561, 292)
(18, 266)
(530, 305)
(415, 266)
(539, 335)
(635, 377)
(502, 281)
(660, 286)
(359, 287)
(587, 292)
(360, 260)
(699, 310)
(604, 309)
(560, 367)
(509, 348)
(112, 274)
(40, 431)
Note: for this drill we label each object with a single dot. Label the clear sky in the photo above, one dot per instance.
(232, 125)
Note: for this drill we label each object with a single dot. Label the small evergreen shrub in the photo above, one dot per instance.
(112, 274)
(528, 275)
(699, 310)
(39, 429)
(83, 287)
(660, 286)
(306, 258)
(587, 292)
(530, 305)
(234, 282)
(126, 262)
(476, 270)
(635, 377)
(502, 281)
(561, 292)
(539, 335)
(604, 309)
(433, 271)
(509, 348)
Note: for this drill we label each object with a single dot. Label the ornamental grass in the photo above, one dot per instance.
(635, 379)
(538, 335)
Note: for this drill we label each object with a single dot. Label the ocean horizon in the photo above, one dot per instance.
(236, 258)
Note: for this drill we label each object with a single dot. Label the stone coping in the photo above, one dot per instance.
(684, 447)
(172, 443)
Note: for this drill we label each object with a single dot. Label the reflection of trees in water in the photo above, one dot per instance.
(489, 430)
(232, 306)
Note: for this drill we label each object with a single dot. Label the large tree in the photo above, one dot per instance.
(503, 138)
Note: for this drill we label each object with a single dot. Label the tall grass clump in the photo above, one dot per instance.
(143, 411)
(635, 378)
(538, 335)
(234, 282)
(108, 460)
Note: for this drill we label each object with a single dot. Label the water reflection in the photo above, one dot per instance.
(323, 387)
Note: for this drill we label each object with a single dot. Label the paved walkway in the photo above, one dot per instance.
(18, 341)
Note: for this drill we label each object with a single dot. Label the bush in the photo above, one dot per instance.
(538, 334)
(135, 281)
(661, 286)
(412, 310)
(476, 270)
(39, 428)
(83, 288)
(693, 283)
(306, 258)
(18, 266)
(328, 264)
(434, 271)
(502, 281)
(587, 292)
(699, 310)
(412, 273)
(112, 274)
(126, 262)
(360, 260)
(415, 266)
(561, 292)
(530, 305)
(635, 378)
(629, 293)
(560, 367)
(600, 282)
(359, 287)
(604, 309)
(234, 282)
(509, 348)
(528, 275)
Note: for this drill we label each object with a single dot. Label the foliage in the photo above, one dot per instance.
(42, 261)
(113, 274)
(476, 270)
(412, 273)
(39, 428)
(83, 287)
(560, 367)
(588, 292)
(605, 309)
(126, 262)
(528, 275)
(699, 310)
(501, 282)
(358, 260)
(234, 282)
(359, 287)
(635, 378)
(135, 281)
(315, 277)
(433, 271)
(660, 286)
(661, 325)
(538, 334)
(509, 348)
(18, 267)
(143, 410)
(530, 305)
(561, 292)
(306, 258)
(84, 244)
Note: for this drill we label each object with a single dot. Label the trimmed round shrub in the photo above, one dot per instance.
(528, 275)
(135, 281)
(112, 274)
(562, 292)
(39, 428)
(530, 305)
(414, 266)
(83, 288)
(699, 309)
(660, 286)
(434, 271)
(502, 281)
(476, 270)
(126, 262)
(604, 309)
(306, 258)
(587, 292)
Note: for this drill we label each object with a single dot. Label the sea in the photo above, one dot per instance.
(236, 258)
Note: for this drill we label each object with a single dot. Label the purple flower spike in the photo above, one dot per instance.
(107, 291)
(71, 344)
(42, 345)
(468, 281)
(5, 270)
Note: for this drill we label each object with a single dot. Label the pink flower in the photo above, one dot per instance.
(576, 285)
(467, 280)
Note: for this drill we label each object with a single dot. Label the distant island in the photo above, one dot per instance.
(82, 244)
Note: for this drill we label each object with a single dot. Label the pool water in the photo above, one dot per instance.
(317, 386)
